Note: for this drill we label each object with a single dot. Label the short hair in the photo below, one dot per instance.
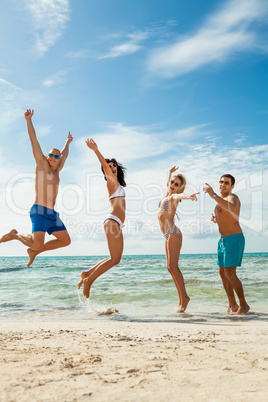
(120, 171)
(229, 177)
(56, 149)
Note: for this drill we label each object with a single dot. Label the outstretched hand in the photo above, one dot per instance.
(28, 114)
(69, 138)
(91, 144)
(193, 197)
(208, 190)
(173, 169)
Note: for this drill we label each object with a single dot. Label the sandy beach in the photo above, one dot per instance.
(111, 360)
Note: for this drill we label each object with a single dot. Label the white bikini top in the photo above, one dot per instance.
(119, 193)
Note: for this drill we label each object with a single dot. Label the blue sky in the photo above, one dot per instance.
(156, 84)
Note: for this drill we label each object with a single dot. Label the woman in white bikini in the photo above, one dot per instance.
(114, 175)
(173, 236)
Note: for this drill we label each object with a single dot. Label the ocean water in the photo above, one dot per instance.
(140, 288)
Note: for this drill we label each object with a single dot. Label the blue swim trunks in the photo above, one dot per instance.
(45, 220)
(230, 250)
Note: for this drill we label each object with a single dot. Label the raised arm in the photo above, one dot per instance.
(107, 171)
(229, 205)
(65, 151)
(37, 151)
(171, 170)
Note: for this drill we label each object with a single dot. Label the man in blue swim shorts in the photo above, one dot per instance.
(232, 242)
(43, 216)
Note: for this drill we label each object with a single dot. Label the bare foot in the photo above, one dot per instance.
(32, 254)
(86, 287)
(243, 309)
(9, 236)
(233, 309)
(84, 274)
(183, 305)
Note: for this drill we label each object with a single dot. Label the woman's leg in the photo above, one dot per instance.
(173, 277)
(174, 243)
(85, 274)
(115, 244)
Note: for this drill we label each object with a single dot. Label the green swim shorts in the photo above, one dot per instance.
(230, 250)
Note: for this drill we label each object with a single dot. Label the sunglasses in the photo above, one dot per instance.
(227, 183)
(54, 156)
(173, 182)
(113, 165)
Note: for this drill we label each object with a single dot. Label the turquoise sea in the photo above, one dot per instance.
(140, 288)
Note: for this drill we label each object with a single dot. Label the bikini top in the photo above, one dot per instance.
(163, 205)
(119, 193)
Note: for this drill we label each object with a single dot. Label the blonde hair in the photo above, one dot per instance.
(183, 182)
(55, 149)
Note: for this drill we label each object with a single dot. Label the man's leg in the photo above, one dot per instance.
(34, 240)
(233, 306)
(62, 240)
(238, 288)
(8, 236)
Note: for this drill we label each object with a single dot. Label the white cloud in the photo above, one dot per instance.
(129, 46)
(49, 19)
(79, 54)
(10, 110)
(227, 32)
(135, 142)
(122, 50)
(55, 79)
(44, 130)
(192, 131)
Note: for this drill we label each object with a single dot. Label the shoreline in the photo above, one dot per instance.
(104, 360)
(212, 253)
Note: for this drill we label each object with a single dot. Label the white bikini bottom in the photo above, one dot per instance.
(116, 219)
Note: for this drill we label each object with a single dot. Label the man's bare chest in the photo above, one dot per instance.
(48, 177)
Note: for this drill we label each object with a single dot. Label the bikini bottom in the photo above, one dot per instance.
(173, 230)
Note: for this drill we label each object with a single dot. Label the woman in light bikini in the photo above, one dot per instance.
(114, 175)
(173, 236)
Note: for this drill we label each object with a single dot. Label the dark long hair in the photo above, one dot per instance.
(120, 171)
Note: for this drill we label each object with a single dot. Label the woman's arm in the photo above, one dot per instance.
(183, 196)
(171, 170)
(107, 171)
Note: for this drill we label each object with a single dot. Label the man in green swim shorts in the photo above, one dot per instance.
(232, 242)
(43, 216)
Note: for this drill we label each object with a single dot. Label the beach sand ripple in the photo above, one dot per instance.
(110, 360)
